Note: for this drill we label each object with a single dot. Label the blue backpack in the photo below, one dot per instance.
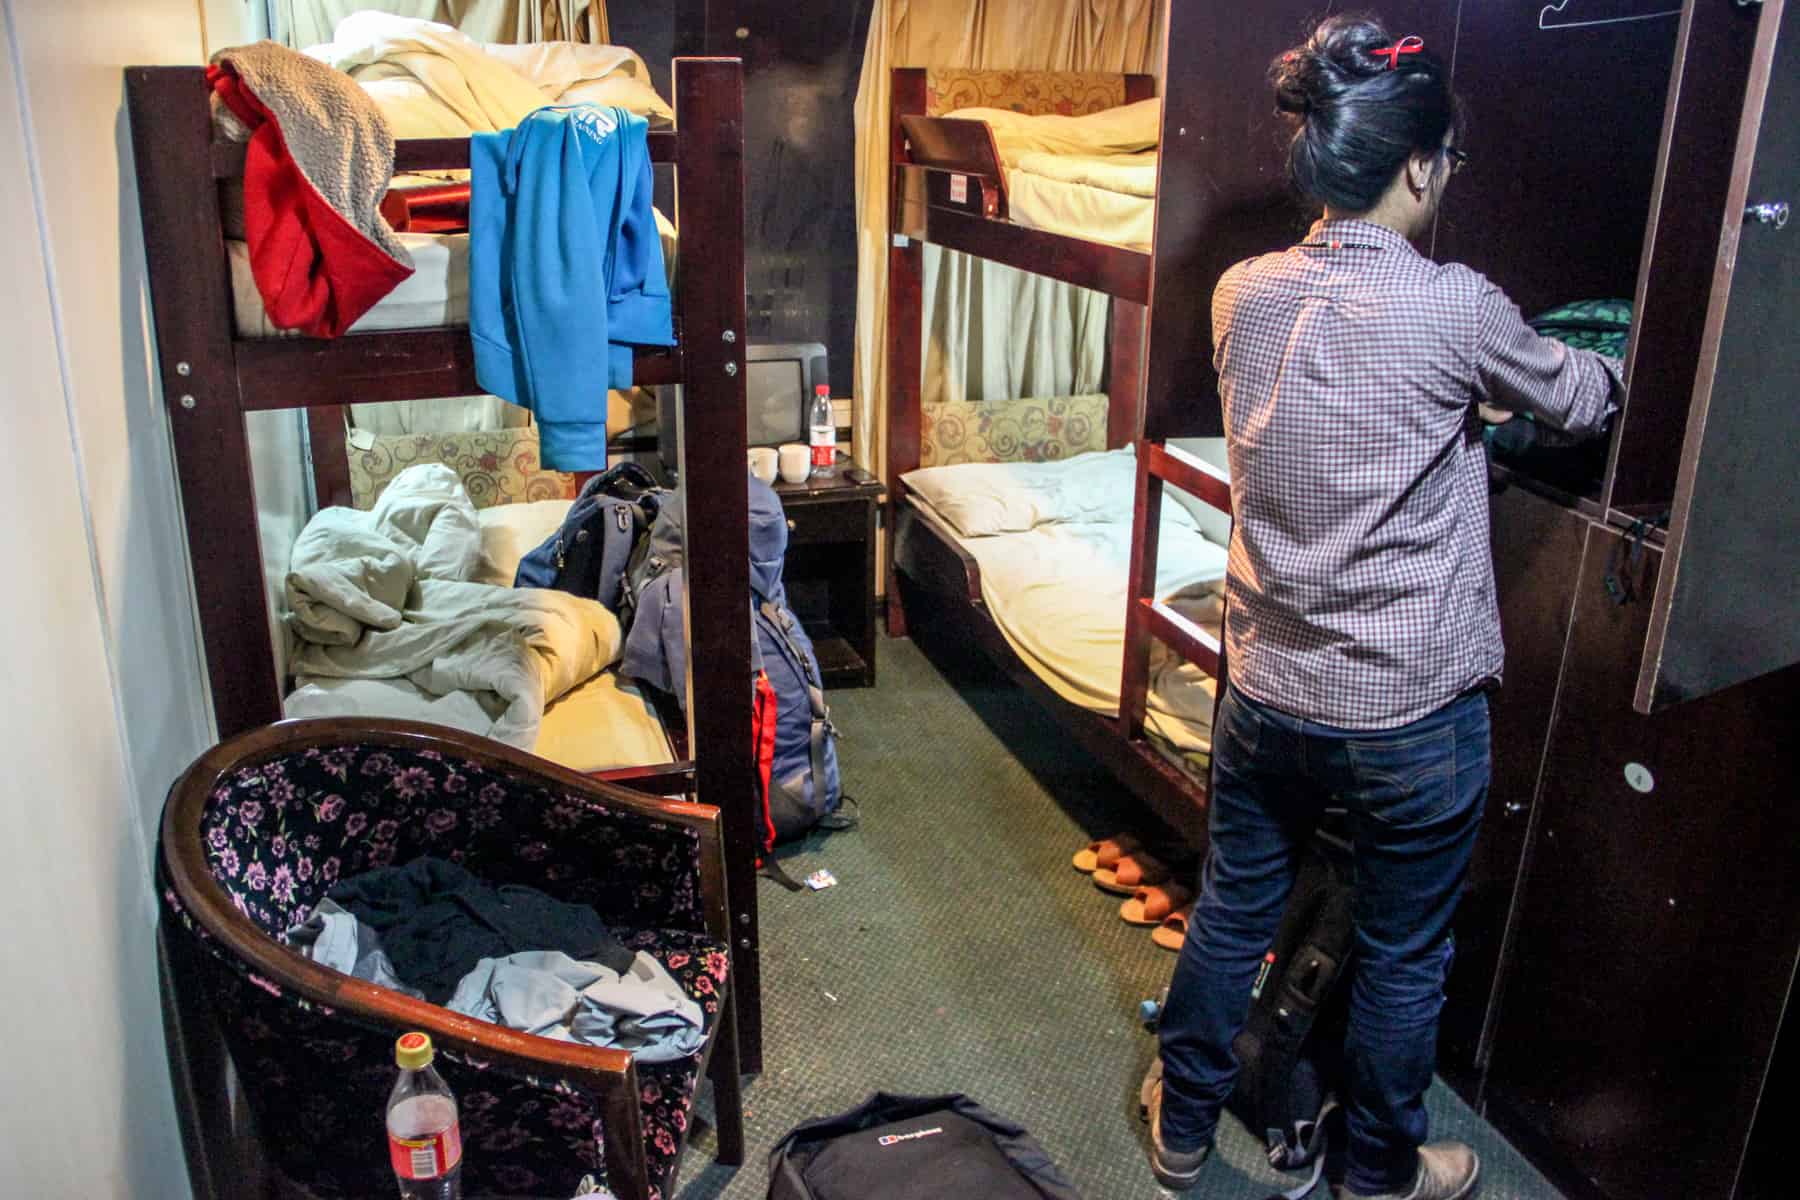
(590, 552)
(803, 786)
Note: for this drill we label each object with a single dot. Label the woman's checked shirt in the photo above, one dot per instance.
(1361, 586)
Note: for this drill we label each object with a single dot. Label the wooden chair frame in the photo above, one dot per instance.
(197, 1066)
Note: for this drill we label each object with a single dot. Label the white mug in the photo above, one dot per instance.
(762, 463)
(796, 462)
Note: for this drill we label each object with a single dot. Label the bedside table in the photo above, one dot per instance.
(830, 568)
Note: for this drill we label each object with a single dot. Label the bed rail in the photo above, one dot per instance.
(424, 154)
(956, 153)
(1146, 617)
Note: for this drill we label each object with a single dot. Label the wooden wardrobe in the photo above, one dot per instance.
(1628, 943)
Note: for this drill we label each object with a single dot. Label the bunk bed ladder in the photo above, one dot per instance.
(1146, 617)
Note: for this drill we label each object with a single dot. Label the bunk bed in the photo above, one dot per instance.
(214, 374)
(977, 178)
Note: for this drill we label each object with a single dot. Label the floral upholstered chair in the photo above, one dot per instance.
(257, 831)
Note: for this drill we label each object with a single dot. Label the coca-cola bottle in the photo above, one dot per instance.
(822, 434)
(424, 1138)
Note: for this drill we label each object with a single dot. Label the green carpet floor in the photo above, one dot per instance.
(961, 952)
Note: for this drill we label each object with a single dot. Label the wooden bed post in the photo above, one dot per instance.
(709, 207)
(1125, 373)
(1134, 685)
(905, 339)
(171, 141)
(328, 449)
(1127, 332)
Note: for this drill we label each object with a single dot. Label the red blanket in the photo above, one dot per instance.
(321, 256)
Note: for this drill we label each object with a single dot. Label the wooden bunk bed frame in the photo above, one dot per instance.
(949, 189)
(212, 378)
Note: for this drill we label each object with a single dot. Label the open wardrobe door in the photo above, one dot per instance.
(1727, 603)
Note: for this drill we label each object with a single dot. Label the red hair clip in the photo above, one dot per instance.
(1406, 45)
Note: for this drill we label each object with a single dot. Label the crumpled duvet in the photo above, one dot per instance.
(387, 594)
(433, 81)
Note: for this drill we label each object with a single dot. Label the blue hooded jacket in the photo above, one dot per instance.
(566, 270)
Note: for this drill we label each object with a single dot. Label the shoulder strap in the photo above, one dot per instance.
(822, 727)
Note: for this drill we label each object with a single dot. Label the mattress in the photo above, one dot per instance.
(607, 722)
(604, 723)
(1058, 591)
(1102, 198)
(435, 294)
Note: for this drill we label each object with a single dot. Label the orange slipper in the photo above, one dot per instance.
(1105, 853)
(1131, 873)
(1172, 933)
(1150, 905)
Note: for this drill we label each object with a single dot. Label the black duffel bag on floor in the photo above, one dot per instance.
(913, 1148)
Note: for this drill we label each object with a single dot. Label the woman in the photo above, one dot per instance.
(1363, 630)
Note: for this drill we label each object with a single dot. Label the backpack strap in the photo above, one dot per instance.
(815, 694)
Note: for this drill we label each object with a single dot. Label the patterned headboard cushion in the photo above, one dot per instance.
(1070, 93)
(1029, 430)
(498, 467)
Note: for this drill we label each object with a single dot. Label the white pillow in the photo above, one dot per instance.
(511, 531)
(1213, 524)
(983, 499)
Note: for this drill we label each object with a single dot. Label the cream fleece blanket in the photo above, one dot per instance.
(387, 594)
(432, 81)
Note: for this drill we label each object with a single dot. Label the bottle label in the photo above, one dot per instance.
(824, 445)
(426, 1158)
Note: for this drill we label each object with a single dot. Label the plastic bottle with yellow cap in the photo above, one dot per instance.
(424, 1136)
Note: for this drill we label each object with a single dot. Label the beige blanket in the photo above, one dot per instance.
(1126, 174)
(1122, 130)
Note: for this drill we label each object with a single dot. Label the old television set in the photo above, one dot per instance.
(779, 378)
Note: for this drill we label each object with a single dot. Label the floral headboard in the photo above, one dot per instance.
(1029, 430)
(1070, 93)
(497, 467)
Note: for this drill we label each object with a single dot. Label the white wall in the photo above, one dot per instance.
(85, 1107)
(102, 697)
(71, 53)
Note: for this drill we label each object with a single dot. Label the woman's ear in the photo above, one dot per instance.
(1418, 173)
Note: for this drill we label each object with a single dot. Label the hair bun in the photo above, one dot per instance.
(1348, 42)
(1297, 81)
(1359, 107)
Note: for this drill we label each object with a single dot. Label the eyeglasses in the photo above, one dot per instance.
(1458, 158)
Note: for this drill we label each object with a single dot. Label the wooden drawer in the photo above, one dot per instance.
(811, 524)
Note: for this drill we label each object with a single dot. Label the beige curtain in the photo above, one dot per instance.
(310, 22)
(991, 333)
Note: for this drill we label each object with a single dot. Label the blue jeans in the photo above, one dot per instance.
(1415, 795)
